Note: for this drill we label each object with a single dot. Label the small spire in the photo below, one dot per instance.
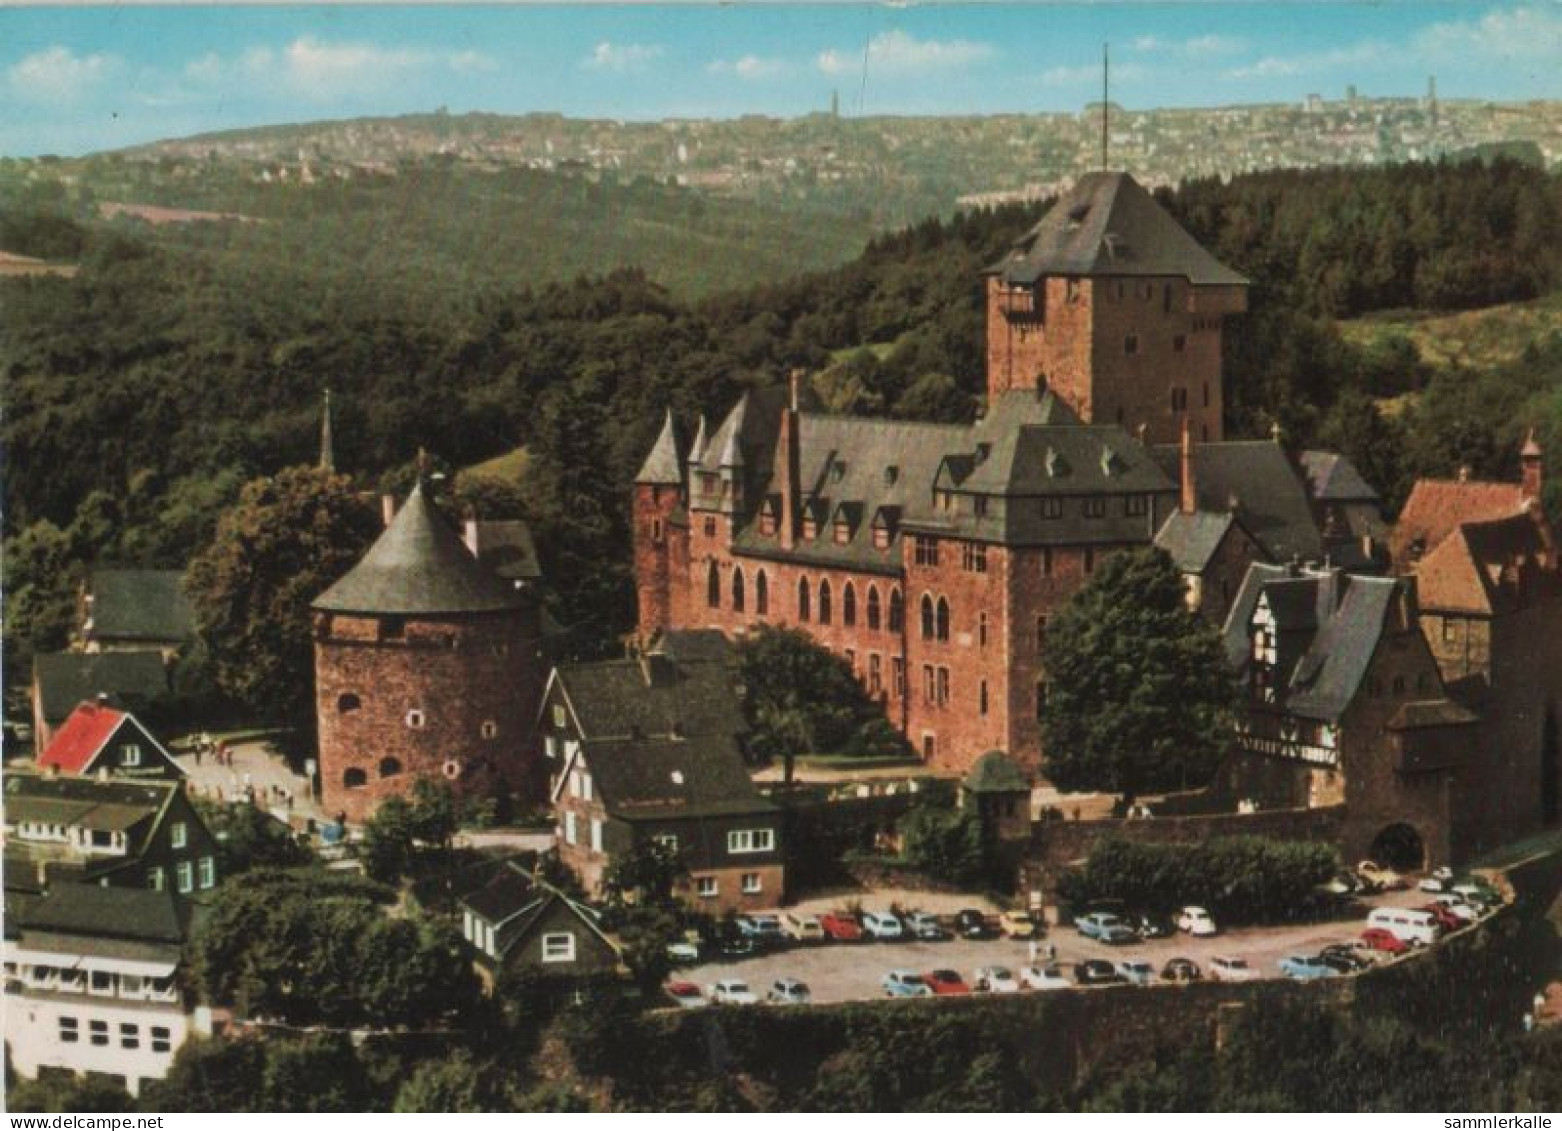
(327, 447)
(1531, 448)
(697, 452)
(1274, 432)
(662, 467)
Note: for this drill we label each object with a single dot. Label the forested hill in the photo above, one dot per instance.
(140, 393)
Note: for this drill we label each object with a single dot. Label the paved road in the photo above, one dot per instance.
(839, 972)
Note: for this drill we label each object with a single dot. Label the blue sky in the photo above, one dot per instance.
(77, 79)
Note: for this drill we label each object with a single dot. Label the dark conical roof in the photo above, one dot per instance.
(419, 566)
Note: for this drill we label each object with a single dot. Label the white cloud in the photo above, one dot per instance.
(607, 56)
(57, 75)
(1501, 35)
(895, 52)
(1198, 47)
(1089, 77)
(750, 67)
(319, 70)
(1278, 66)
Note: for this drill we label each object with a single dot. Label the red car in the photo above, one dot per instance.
(1446, 919)
(1377, 938)
(840, 927)
(947, 982)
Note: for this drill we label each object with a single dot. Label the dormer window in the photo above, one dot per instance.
(843, 531)
(891, 475)
(810, 526)
(837, 471)
(880, 536)
(767, 520)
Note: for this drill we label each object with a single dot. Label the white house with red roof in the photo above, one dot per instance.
(98, 739)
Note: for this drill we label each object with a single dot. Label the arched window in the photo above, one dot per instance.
(897, 611)
(389, 767)
(849, 605)
(824, 601)
(927, 617)
(762, 594)
(804, 605)
(348, 703)
(354, 778)
(943, 619)
(981, 630)
(873, 608)
(737, 589)
(713, 587)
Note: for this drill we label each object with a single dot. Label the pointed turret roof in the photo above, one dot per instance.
(663, 467)
(731, 448)
(327, 445)
(418, 566)
(1109, 225)
(697, 451)
(1531, 448)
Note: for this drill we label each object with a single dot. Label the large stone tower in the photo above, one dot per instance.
(427, 665)
(1109, 303)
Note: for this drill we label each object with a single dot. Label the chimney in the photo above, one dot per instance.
(1532, 467)
(787, 452)
(1189, 501)
(1464, 473)
(387, 507)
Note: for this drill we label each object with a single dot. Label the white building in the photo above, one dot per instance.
(92, 984)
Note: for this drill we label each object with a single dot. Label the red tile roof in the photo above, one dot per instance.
(81, 736)
(1437, 507)
(1488, 568)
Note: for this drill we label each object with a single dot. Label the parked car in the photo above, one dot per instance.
(1119, 936)
(1152, 926)
(1042, 978)
(906, 983)
(802, 927)
(1432, 885)
(1445, 917)
(973, 924)
(1181, 970)
(1096, 972)
(1384, 879)
(1420, 928)
(684, 950)
(840, 927)
(1342, 883)
(947, 982)
(995, 980)
(1093, 924)
(730, 991)
(765, 931)
(1464, 912)
(924, 925)
(1352, 954)
(1136, 971)
(1305, 968)
(881, 925)
(1019, 925)
(1477, 893)
(789, 991)
(731, 942)
(1225, 968)
(1384, 941)
(1342, 961)
(686, 995)
(1197, 922)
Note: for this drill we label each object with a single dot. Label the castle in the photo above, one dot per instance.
(932, 556)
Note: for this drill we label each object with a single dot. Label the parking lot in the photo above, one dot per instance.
(838, 972)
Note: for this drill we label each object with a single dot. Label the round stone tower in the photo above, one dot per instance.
(427, 665)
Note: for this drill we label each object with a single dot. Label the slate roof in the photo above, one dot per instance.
(505, 547)
(658, 778)
(1334, 479)
(651, 696)
(1488, 568)
(135, 914)
(418, 566)
(1107, 224)
(1437, 506)
(1257, 482)
(140, 604)
(664, 466)
(694, 645)
(996, 772)
(113, 805)
(513, 903)
(1192, 539)
(1431, 713)
(1338, 637)
(65, 679)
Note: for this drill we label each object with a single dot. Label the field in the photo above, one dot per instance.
(1472, 339)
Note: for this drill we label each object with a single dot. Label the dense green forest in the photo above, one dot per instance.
(141, 394)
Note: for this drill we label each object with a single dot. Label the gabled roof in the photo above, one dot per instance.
(65, 679)
(1192, 539)
(1437, 506)
(116, 805)
(658, 778)
(418, 566)
(664, 466)
(140, 604)
(84, 735)
(1331, 478)
(513, 903)
(1488, 568)
(138, 914)
(1257, 482)
(654, 695)
(694, 646)
(1107, 224)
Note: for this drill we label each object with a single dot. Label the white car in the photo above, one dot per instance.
(1228, 969)
(730, 991)
(1136, 971)
(1043, 978)
(882, 925)
(995, 980)
(802, 927)
(1197, 922)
